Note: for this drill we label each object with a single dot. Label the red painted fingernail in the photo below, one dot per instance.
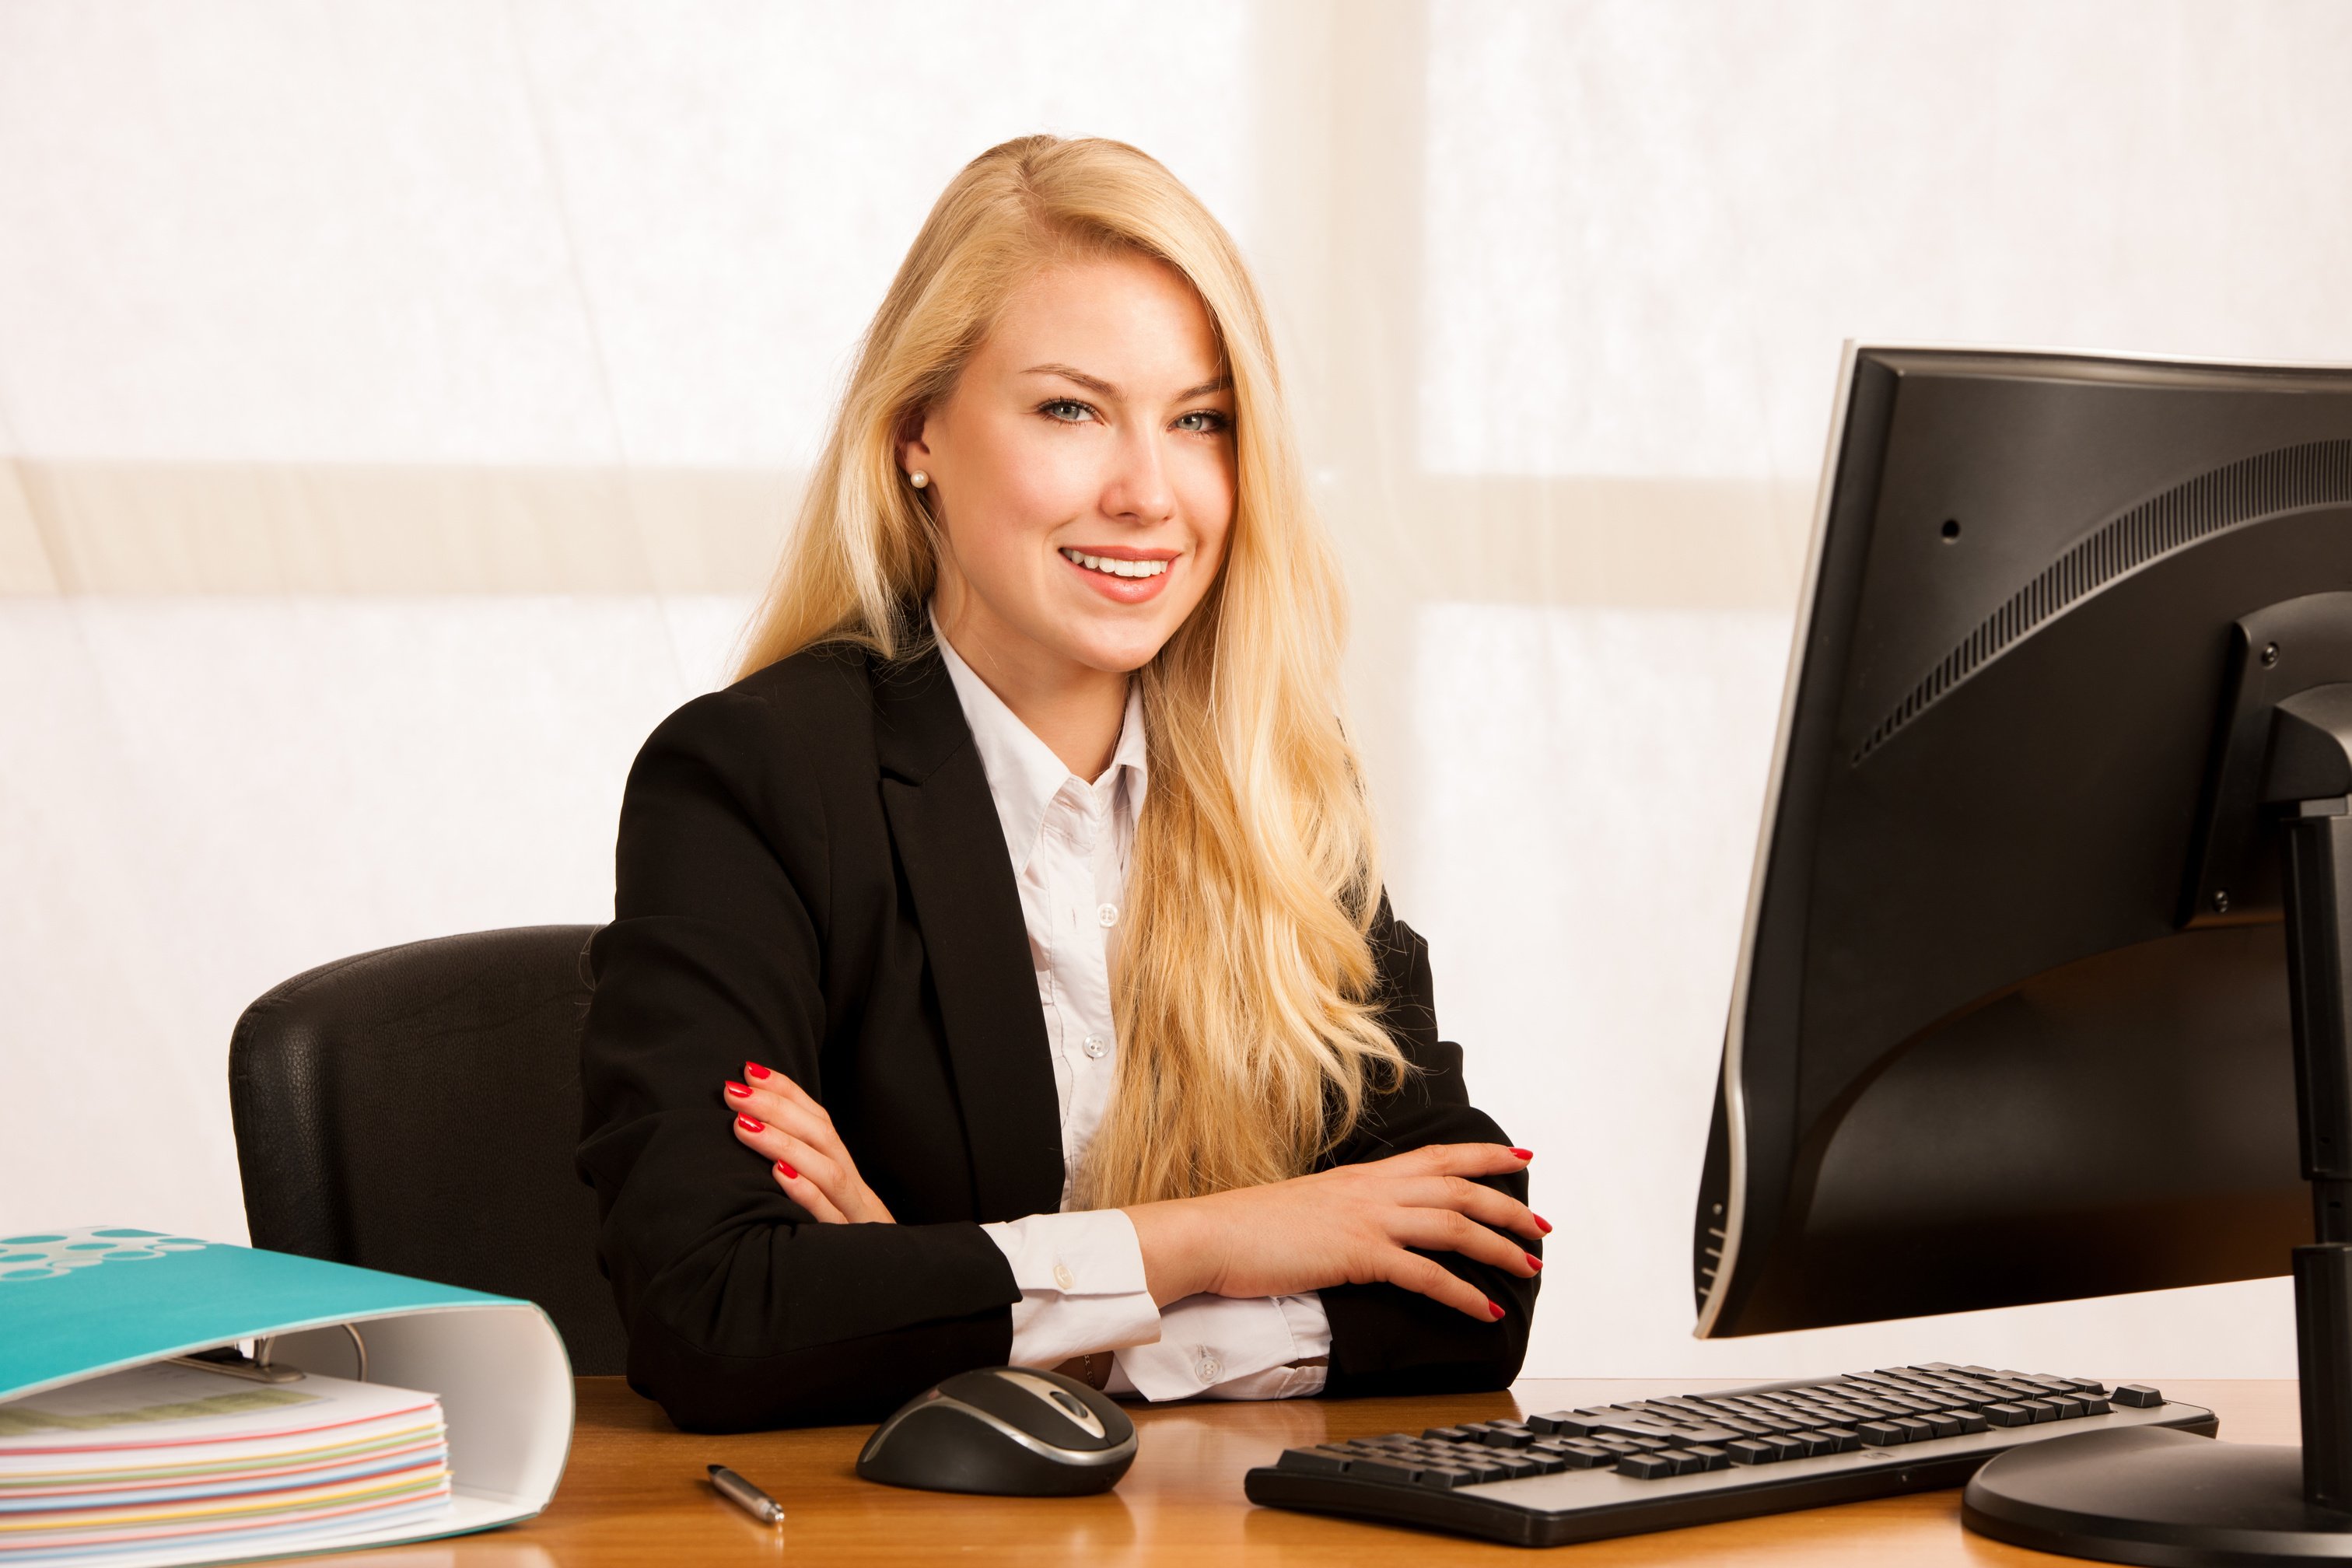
(790, 1175)
(737, 1089)
(1533, 1261)
(751, 1124)
(1543, 1224)
(1493, 1310)
(1525, 1154)
(753, 1069)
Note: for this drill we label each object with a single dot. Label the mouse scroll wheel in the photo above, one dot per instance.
(1078, 1411)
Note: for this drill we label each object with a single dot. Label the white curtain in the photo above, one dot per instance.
(399, 403)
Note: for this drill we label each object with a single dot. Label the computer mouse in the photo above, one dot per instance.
(1011, 1430)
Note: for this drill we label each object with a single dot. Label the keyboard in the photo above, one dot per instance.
(1683, 1459)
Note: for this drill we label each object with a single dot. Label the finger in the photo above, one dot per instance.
(797, 1117)
(822, 1145)
(808, 1162)
(1463, 1195)
(1444, 1230)
(803, 1192)
(1457, 1159)
(1424, 1277)
(785, 1087)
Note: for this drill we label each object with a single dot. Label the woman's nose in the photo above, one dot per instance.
(1139, 486)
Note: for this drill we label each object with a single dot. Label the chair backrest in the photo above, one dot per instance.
(416, 1109)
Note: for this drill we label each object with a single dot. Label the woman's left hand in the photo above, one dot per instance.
(776, 1119)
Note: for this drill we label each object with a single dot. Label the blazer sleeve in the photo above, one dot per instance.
(1385, 1339)
(742, 1310)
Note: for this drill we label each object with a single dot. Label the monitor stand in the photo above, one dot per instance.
(2157, 1496)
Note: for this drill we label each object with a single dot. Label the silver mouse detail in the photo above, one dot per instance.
(1011, 1431)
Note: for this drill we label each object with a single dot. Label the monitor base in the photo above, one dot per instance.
(2147, 1494)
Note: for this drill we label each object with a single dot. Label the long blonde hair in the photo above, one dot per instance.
(1245, 994)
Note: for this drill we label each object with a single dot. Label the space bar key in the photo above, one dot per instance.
(1676, 1435)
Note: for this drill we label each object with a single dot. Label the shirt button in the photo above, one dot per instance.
(1097, 1045)
(1207, 1365)
(1109, 915)
(1064, 1277)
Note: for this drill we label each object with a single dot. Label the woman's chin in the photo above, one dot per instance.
(1118, 646)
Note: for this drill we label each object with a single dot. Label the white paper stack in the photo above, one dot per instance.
(168, 1463)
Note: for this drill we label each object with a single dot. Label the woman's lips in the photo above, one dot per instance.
(1126, 576)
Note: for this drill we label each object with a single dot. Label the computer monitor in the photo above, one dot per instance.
(2014, 1018)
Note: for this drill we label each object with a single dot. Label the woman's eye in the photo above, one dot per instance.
(1068, 411)
(1202, 422)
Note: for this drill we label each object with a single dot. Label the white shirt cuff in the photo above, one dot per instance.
(1082, 1286)
(1224, 1347)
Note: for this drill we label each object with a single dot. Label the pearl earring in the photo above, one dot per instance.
(919, 478)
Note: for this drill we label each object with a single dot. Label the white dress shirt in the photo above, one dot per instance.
(1081, 1273)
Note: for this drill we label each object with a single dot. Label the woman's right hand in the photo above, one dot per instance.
(1351, 1225)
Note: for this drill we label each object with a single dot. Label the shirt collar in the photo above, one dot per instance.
(1024, 773)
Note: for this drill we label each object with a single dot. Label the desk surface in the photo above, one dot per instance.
(635, 1493)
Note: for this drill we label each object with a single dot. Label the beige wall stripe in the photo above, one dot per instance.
(90, 527)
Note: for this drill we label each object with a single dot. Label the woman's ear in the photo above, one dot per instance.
(907, 437)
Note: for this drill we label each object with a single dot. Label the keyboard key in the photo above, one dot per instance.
(2139, 1395)
(1748, 1451)
(2095, 1404)
(1444, 1477)
(2043, 1409)
(1506, 1438)
(1887, 1434)
(1558, 1421)
(1946, 1424)
(1448, 1434)
(1634, 1427)
(1385, 1470)
(1589, 1458)
(1313, 1461)
(2008, 1414)
(1647, 1466)
(1847, 1439)
(1717, 1460)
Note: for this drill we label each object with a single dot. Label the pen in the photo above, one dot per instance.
(746, 1495)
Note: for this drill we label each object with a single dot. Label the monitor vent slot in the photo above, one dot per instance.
(2315, 474)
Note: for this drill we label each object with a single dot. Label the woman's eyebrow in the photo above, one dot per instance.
(1096, 385)
(1069, 373)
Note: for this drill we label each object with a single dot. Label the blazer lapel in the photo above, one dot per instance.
(952, 847)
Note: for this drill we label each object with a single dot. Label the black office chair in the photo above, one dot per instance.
(416, 1110)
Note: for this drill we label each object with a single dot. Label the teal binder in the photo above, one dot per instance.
(81, 1301)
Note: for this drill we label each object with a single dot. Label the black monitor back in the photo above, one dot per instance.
(2002, 1031)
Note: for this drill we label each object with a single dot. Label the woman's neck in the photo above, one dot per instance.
(1076, 710)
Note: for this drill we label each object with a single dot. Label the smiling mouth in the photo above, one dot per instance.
(1110, 567)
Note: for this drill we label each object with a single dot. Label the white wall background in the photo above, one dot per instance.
(397, 402)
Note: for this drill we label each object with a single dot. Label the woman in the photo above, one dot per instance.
(1000, 969)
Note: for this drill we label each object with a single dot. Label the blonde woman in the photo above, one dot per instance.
(1000, 971)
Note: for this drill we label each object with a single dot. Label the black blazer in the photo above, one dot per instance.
(810, 874)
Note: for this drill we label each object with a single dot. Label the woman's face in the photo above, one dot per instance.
(1082, 473)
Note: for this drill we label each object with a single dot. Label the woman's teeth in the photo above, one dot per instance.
(1114, 567)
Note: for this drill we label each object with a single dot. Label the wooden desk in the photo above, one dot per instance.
(635, 1493)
